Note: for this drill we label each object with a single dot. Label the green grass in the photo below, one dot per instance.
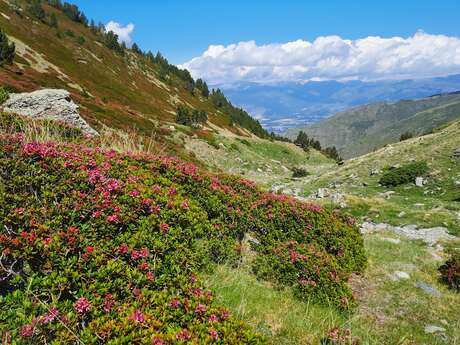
(389, 312)
(273, 312)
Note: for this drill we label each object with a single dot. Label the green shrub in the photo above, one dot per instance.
(4, 94)
(107, 247)
(406, 135)
(450, 271)
(299, 172)
(404, 174)
(7, 50)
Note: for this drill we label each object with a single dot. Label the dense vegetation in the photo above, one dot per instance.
(82, 32)
(450, 271)
(305, 142)
(99, 246)
(190, 117)
(7, 50)
(400, 175)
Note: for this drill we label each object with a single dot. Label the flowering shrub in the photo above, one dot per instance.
(393, 177)
(100, 247)
(340, 336)
(450, 271)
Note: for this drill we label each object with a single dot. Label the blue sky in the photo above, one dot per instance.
(183, 29)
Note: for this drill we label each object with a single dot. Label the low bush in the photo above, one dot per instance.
(450, 271)
(404, 174)
(299, 172)
(103, 247)
(4, 94)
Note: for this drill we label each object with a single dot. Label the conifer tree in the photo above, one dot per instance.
(7, 50)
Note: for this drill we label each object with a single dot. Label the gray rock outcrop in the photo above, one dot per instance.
(54, 104)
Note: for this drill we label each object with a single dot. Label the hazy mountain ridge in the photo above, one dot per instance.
(364, 128)
(286, 105)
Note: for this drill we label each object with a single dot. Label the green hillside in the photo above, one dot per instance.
(363, 129)
(57, 47)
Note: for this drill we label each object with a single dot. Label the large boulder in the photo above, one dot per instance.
(54, 104)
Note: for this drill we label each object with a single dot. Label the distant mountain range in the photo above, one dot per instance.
(288, 105)
(365, 128)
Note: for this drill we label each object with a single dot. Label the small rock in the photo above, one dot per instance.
(172, 128)
(401, 214)
(391, 240)
(430, 290)
(374, 172)
(419, 181)
(400, 275)
(322, 193)
(456, 153)
(430, 329)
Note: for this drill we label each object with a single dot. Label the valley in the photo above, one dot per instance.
(140, 206)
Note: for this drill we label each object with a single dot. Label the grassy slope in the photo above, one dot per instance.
(389, 312)
(125, 92)
(365, 128)
(432, 205)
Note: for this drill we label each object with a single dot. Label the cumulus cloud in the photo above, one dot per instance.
(330, 58)
(123, 32)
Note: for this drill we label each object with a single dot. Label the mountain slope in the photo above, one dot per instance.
(362, 129)
(287, 105)
(119, 87)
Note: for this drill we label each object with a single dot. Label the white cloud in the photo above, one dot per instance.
(330, 57)
(123, 32)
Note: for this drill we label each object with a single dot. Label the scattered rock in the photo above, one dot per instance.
(374, 172)
(430, 290)
(387, 194)
(456, 154)
(54, 104)
(172, 128)
(419, 181)
(400, 275)
(430, 329)
(401, 214)
(391, 240)
(339, 199)
(429, 235)
(322, 193)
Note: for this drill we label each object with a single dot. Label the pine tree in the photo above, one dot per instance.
(135, 48)
(36, 10)
(7, 50)
(53, 20)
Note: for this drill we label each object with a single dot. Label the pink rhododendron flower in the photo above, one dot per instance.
(184, 205)
(157, 341)
(108, 303)
(175, 303)
(155, 209)
(134, 194)
(164, 228)
(213, 318)
(143, 266)
(27, 331)
(113, 219)
(137, 316)
(183, 335)
(123, 249)
(150, 276)
(200, 309)
(82, 305)
(52, 315)
(214, 335)
(47, 241)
